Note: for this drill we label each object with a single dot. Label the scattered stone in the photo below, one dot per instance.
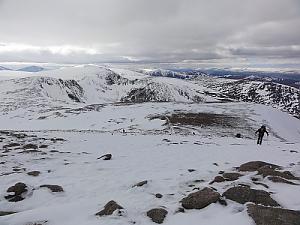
(57, 139)
(53, 188)
(158, 195)
(109, 208)
(218, 179)
(232, 176)
(11, 145)
(273, 216)
(215, 164)
(269, 171)
(293, 151)
(191, 170)
(238, 135)
(18, 188)
(43, 146)
(38, 223)
(221, 172)
(140, 184)
(254, 179)
(53, 151)
(199, 181)
(31, 151)
(106, 157)
(246, 194)
(222, 201)
(280, 180)
(5, 213)
(34, 173)
(200, 199)
(30, 146)
(255, 165)
(180, 210)
(157, 215)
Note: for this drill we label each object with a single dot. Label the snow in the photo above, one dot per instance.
(148, 150)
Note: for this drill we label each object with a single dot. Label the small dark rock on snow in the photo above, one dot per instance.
(53, 188)
(140, 184)
(157, 215)
(34, 173)
(109, 208)
(106, 157)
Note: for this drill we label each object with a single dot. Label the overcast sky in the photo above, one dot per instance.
(89, 31)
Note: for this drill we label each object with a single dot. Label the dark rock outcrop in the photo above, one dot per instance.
(255, 165)
(232, 176)
(273, 216)
(270, 171)
(157, 215)
(200, 199)
(280, 180)
(243, 195)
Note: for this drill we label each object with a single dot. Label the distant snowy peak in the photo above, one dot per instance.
(32, 69)
(4, 68)
(168, 73)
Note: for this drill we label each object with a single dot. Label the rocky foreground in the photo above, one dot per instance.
(246, 184)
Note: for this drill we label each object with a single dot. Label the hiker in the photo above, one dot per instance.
(261, 131)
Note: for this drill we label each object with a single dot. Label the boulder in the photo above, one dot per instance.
(255, 165)
(157, 215)
(218, 179)
(246, 194)
(53, 188)
(273, 216)
(232, 176)
(270, 171)
(109, 208)
(200, 199)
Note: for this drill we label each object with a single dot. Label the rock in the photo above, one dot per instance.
(255, 165)
(232, 176)
(180, 210)
(157, 215)
(246, 194)
(270, 171)
(191, 170)
(200, 199)
(18, 188)
(43, 146)
(273, 216)
(109, 208)
(30, 146)
(11, 145)
(34, 173)
(5, 213)
(221, 172)
(280, 180)
(218, 179)
(53, 188)
(158, 195)
(222, 202)
(140, 184)
(238, 135)
(14, 198)
(106, 157)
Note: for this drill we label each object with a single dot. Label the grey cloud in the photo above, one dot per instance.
(156, 30)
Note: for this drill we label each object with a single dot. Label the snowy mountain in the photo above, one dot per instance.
(31, 69)
(4, 68)
(102, 145)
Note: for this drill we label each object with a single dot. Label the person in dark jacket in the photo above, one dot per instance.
(261, 131)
